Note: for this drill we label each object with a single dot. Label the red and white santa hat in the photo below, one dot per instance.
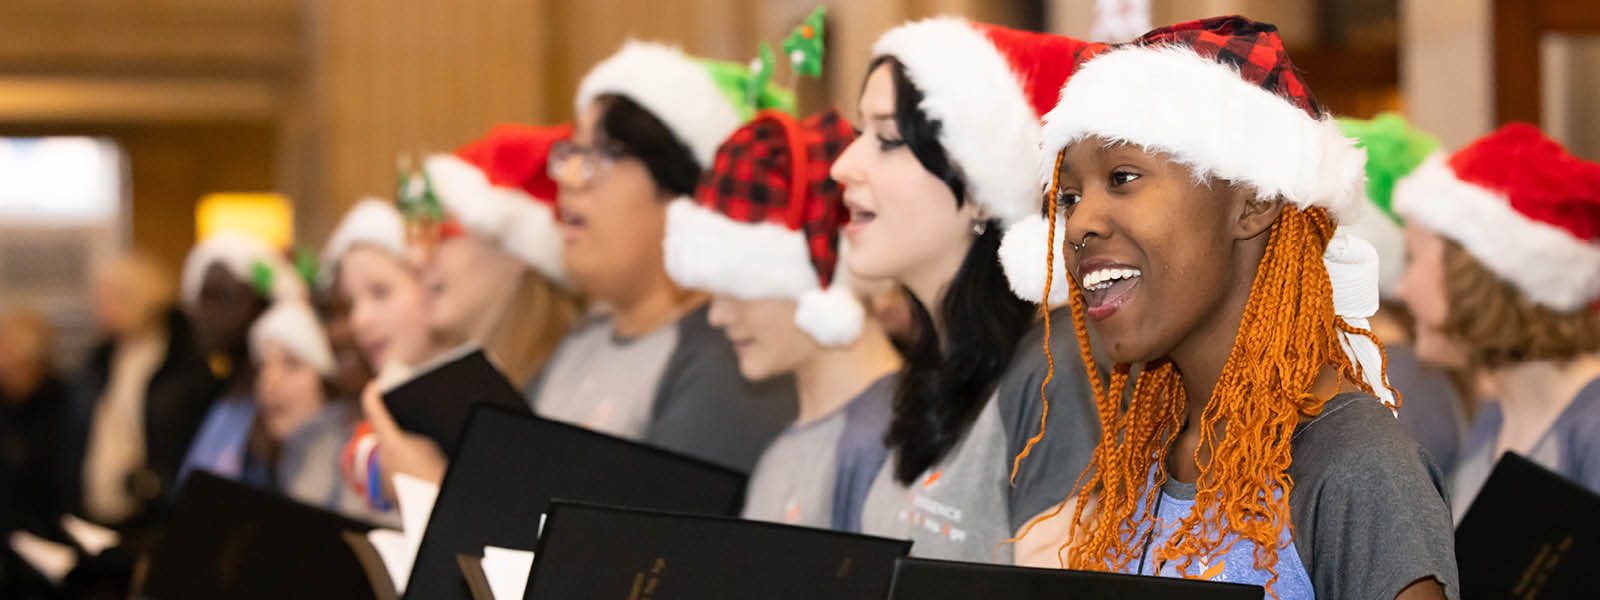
(293, 326)
(679, 89)
(499, 187)
(373, 223)
(1218, 95)
(249, 259)
(1521, 205)
(766, 220)
(987, 86)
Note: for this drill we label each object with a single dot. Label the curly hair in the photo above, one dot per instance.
(1499, 325)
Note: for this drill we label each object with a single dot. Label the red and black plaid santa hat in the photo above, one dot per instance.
(987, 86)
(1522, 206)
(499, 187)
(1218, 95)
(765, 223)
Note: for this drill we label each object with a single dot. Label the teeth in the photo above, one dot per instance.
(1104, 278)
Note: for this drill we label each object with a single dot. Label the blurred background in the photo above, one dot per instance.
(144, 123)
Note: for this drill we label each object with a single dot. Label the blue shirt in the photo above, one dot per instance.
(219, 445)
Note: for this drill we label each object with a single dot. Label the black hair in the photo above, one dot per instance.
(946, 380)
(638, 133)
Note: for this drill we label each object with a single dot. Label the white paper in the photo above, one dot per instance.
(397, 559)
(49, 558)
(415, 498)
(93, 538)
(507, 571)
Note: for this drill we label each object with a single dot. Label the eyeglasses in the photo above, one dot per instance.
(577, 167)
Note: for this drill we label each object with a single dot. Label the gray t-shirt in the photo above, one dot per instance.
(1432, 409)
(678, 388)
(817, 474)
(1571, 447)
(1367, 509)
(965, 507)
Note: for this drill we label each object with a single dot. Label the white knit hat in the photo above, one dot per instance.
(294, 326)
(371, 222)
(246, 258)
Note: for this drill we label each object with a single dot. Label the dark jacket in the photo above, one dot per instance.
(30, 450)
(176, 400)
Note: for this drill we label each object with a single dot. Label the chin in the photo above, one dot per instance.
(754, 372)
(865, 264)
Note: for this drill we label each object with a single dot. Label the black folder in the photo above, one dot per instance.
(592, 551)
(922, 579)
(1530, 533)
(229, 540)
(435, 402)
(510, 465)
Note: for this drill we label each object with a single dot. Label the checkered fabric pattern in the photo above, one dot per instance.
(1254, 48)
(755, 178)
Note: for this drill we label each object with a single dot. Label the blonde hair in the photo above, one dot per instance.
(537, 316)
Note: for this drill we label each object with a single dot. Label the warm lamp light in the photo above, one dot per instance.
(268, 217)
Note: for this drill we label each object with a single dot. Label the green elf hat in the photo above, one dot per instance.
(702, 101)
(1394, 149)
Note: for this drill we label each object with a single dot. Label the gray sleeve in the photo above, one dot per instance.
(1581, 441)
(1047, 475)
(705, 408)
(1368, 505)
(861, 453)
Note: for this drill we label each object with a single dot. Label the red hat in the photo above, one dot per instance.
(987, 87)
(499, 187)
(1522, 206)
(1219, 95)
(765, 223)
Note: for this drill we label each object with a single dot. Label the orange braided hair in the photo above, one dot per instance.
(1289, 333)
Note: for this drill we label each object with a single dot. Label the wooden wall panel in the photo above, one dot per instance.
(391, 77)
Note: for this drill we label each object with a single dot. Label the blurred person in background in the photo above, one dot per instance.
(482, 235)
(229, 280)
(368, 270)
(302, 422)
(652, 367)
(352, 372)
(33, 409)
(138, 400)
(1503, 276)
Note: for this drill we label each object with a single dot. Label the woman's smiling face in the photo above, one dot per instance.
(1159, 250)
(904, 220)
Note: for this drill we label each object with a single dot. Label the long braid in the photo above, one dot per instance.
(1049, 357)
(1287, 336)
